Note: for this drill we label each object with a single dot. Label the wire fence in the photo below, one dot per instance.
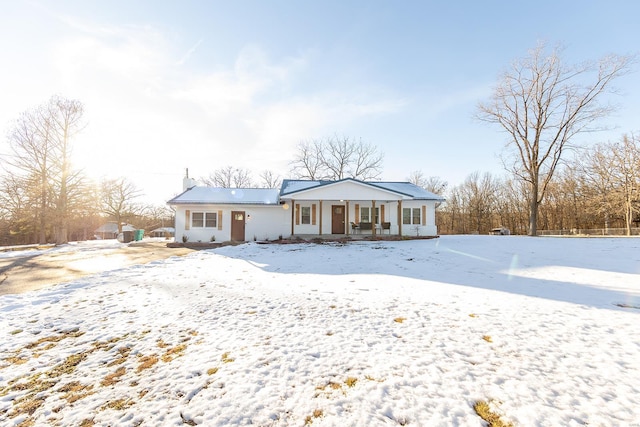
(635, 231)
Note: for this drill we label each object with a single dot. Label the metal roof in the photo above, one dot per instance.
(215, 195)
(269, 196)
(404, 188)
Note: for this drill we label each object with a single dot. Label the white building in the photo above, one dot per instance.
(304, 208)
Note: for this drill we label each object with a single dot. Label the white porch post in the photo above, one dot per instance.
(293, 208)
(347, 225)
(320, 218)
(373, 217)
(399, 217)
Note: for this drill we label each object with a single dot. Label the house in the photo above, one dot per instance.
(109, 230)
(162, 232)
(304, 208)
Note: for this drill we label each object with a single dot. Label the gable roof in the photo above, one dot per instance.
(269, 196)
(407, 189)
(215, 195)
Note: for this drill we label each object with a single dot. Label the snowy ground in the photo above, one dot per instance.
(370, 333)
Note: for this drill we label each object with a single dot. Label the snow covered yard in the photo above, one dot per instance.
(547, 331)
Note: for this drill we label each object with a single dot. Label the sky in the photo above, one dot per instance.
(203, 85)
(544, 330)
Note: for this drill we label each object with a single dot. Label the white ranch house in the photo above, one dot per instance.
(304, 208)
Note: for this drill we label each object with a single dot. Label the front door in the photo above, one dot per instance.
(237, 226)
(337, 219)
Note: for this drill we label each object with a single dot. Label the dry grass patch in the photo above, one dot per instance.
(399, 319)
(123, 354)
(75, 391)
(26, 405)
(173, 352)
(118, 404)
(212, 371)
(161, 344)
(73, 333)
(68, 366)
(487, 338)
(15, 331)
(15, 360)
(29, 422)
(484, 411)
(147, 362)
(351, 381)
(317, 413)
(87, 423)
(114, 377)
(226, 358)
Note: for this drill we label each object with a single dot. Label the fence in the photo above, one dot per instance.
(635, 231)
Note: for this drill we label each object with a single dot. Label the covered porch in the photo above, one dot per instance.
(346, 217)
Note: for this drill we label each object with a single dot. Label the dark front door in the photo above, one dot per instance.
(337, 219)
(237, 226)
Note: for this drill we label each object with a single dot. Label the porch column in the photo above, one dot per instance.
(320, 219)
(347, 224)
(293, 209)
(373, 217)
(399, 217)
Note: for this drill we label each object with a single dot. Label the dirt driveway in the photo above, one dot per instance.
(33, 270)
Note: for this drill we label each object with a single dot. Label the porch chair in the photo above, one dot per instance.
(354, 227)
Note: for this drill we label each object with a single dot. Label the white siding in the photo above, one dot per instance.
(262, 222)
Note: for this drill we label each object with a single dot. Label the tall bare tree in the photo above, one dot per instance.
(229, 177)
(542, 103)
(270, 179)
(337, 158)
(626, 176)
(32, 153)
(65, 117)
(118, 199)
(434, 184)
(41, 144)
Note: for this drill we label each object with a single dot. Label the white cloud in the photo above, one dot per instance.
(149, 114)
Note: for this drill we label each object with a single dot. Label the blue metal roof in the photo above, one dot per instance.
(215, 195)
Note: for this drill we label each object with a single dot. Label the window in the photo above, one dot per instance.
(416, 216)
(197, 219)
(365, 214)
(204, 219)
(211, 220)
(306, 214)
(411, 216)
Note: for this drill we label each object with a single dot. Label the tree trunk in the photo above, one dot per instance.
(533, 209)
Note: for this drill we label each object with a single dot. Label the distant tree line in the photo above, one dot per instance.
(599, 188)
(44, 198)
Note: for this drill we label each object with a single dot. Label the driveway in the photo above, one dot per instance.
(30, 270)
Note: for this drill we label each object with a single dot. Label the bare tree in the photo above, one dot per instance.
(308, 161)
(337, 158)
(41, 144)
(65, 117)
(118, 199)
(479, 192)
(32, 151)
(270, 179)
(434, 184)
(16, 209)
(625, 156)
(542, 103)
(229, 177)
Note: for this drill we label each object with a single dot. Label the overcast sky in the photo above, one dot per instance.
(205, 84)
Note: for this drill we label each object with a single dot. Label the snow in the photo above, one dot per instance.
(367, 333)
